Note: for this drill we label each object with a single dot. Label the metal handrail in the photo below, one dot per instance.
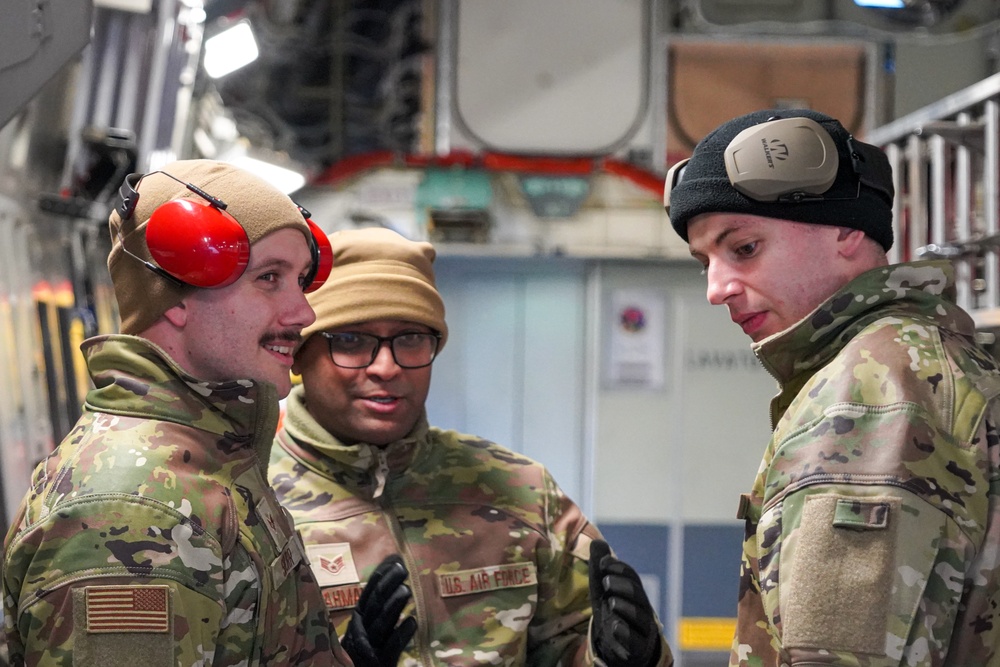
(946, 169)
(946, 107)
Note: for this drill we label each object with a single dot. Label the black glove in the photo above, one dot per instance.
(373, 639)
(625, 631)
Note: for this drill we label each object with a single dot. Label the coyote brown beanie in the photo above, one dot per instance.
(143, 296)
(378, 275)
(853, 201)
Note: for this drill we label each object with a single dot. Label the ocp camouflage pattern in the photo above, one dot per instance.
(497, 553)
(873, 526)
(162, 482)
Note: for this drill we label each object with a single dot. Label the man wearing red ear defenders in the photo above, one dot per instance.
(150, 535)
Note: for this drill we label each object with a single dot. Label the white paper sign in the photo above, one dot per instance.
(635, 354)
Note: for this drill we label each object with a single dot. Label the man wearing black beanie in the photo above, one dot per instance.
(873, 526)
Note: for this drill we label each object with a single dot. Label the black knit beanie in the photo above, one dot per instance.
(704, 186)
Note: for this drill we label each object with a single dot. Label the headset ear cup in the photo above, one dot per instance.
(323, 260)
(786, 156)
(197, 243)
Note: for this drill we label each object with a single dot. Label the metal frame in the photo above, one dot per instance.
(946, 161)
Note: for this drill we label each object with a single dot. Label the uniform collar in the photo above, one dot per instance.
(135, 377)
(323, 451)
(922, 289)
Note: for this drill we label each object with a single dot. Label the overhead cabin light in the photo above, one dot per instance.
(204, 143)
(886, 4)
(230, 50)
(926, 13)
(285, 179)
(160, 158)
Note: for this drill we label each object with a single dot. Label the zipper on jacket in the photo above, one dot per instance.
(421, 639)
(381, 472)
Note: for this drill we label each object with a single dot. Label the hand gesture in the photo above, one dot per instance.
(373, 639)
(625, 632)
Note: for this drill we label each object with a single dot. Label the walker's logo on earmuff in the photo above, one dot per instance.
(774, 149)
(760, 165)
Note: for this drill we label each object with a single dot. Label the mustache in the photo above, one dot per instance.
(292, 335)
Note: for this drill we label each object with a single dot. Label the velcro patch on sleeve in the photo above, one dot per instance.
(838, 578)
(128, 609)
(484, 579)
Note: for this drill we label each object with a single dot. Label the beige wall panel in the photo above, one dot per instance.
(711, 82)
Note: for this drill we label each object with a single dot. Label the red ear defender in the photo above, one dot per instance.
(197, 243)
(322, 257)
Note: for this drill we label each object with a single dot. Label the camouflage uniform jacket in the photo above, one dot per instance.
(873, 527)
(497, 553)
(150, 535)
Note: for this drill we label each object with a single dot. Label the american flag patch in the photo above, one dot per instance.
(128, 609)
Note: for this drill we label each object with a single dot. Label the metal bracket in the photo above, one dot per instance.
(974, 247)
(969, 135)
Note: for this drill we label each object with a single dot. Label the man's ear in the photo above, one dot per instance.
(850, 242)
(177, 315)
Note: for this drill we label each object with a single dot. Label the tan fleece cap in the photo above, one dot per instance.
(378, 275)
(143, 296)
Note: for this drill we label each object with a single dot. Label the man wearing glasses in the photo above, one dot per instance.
(499, 558)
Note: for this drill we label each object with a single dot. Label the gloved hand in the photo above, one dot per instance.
(625, 631)
(373, 639)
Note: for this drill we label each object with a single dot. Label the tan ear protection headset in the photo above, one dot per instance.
(789, 160)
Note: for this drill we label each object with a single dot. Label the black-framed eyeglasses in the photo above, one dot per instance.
(413, 349)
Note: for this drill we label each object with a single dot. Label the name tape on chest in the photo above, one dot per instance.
(128, 609)
(484, 579)
(342, 597)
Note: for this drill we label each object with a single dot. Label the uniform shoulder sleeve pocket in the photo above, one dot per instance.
(123, 625)
(839, 578)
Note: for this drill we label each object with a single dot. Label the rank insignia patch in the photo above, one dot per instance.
(333, 564)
